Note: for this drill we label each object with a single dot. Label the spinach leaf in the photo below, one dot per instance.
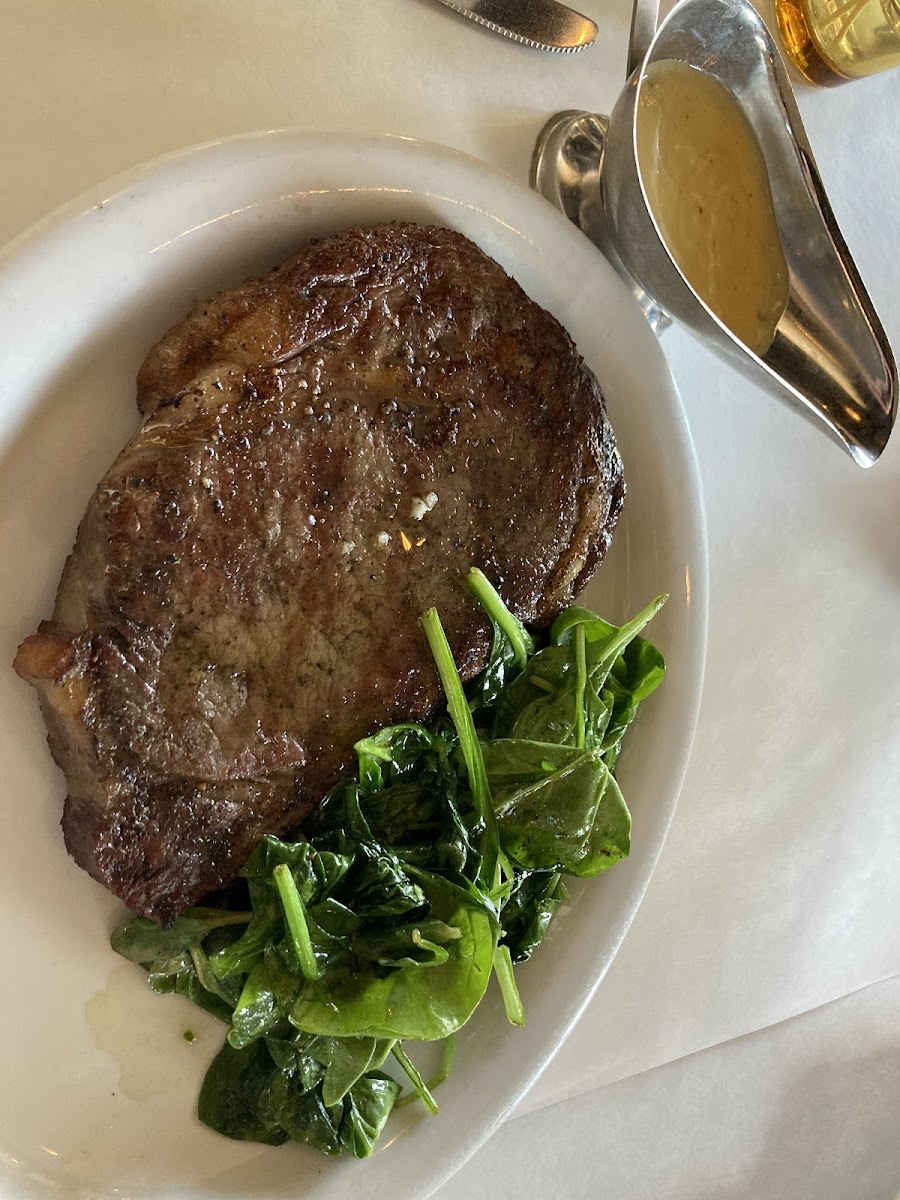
(556, 699)
(532, 904)
(393, 754)
(265, 1000)
(367, 1107)
(315, 1094)
(431, 822)
(558, 808)
(412, 801)
(179, 975)
(141, 941)
(303, 1115)
(316, 873)
(640, 669)
(313, 870)
(347, 1059)
(423, 810)
(483, 692)
(403, 813)
(636, 674)
(299, 1055)
(175, 959)
(241, 956)
(380, 887)
(568, 692)
(409, 1002)
(540, 701)
(232, 1096)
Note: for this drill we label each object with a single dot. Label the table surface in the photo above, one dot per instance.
(771, 918)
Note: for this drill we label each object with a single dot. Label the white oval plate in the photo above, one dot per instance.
(82, 297)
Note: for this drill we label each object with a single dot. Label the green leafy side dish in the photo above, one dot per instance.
(440, 864)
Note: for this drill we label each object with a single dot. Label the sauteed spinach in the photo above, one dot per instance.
(440, 863)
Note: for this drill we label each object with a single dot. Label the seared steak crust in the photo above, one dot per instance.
(325, 452)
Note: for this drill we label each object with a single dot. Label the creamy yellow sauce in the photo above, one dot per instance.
(707, 186)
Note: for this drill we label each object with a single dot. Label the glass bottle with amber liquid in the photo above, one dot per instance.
(833, 41)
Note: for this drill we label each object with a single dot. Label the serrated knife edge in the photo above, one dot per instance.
(522, 39)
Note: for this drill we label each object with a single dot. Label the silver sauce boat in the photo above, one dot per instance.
(830, 359)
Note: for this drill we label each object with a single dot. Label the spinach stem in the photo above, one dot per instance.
(491, 601)
(580, 685)
(541, 683)
(447, 1056)
(415, 1078)
(627, 633)
(295, 916)
(468, 740)
(205, 975)
(219, 917)
(560, 773)
(512, 1001)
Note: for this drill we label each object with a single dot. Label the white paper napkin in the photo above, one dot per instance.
(807, 1110)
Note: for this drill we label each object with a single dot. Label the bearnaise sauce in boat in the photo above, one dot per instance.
(708, 189)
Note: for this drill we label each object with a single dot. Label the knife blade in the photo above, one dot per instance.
(541, 24)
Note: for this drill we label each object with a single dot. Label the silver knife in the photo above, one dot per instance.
(542, 24)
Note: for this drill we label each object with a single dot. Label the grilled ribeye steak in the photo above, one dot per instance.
(325, 453)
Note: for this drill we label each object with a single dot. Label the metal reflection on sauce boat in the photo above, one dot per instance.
(830, 359)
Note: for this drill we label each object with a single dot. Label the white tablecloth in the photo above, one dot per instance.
(778, 890)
